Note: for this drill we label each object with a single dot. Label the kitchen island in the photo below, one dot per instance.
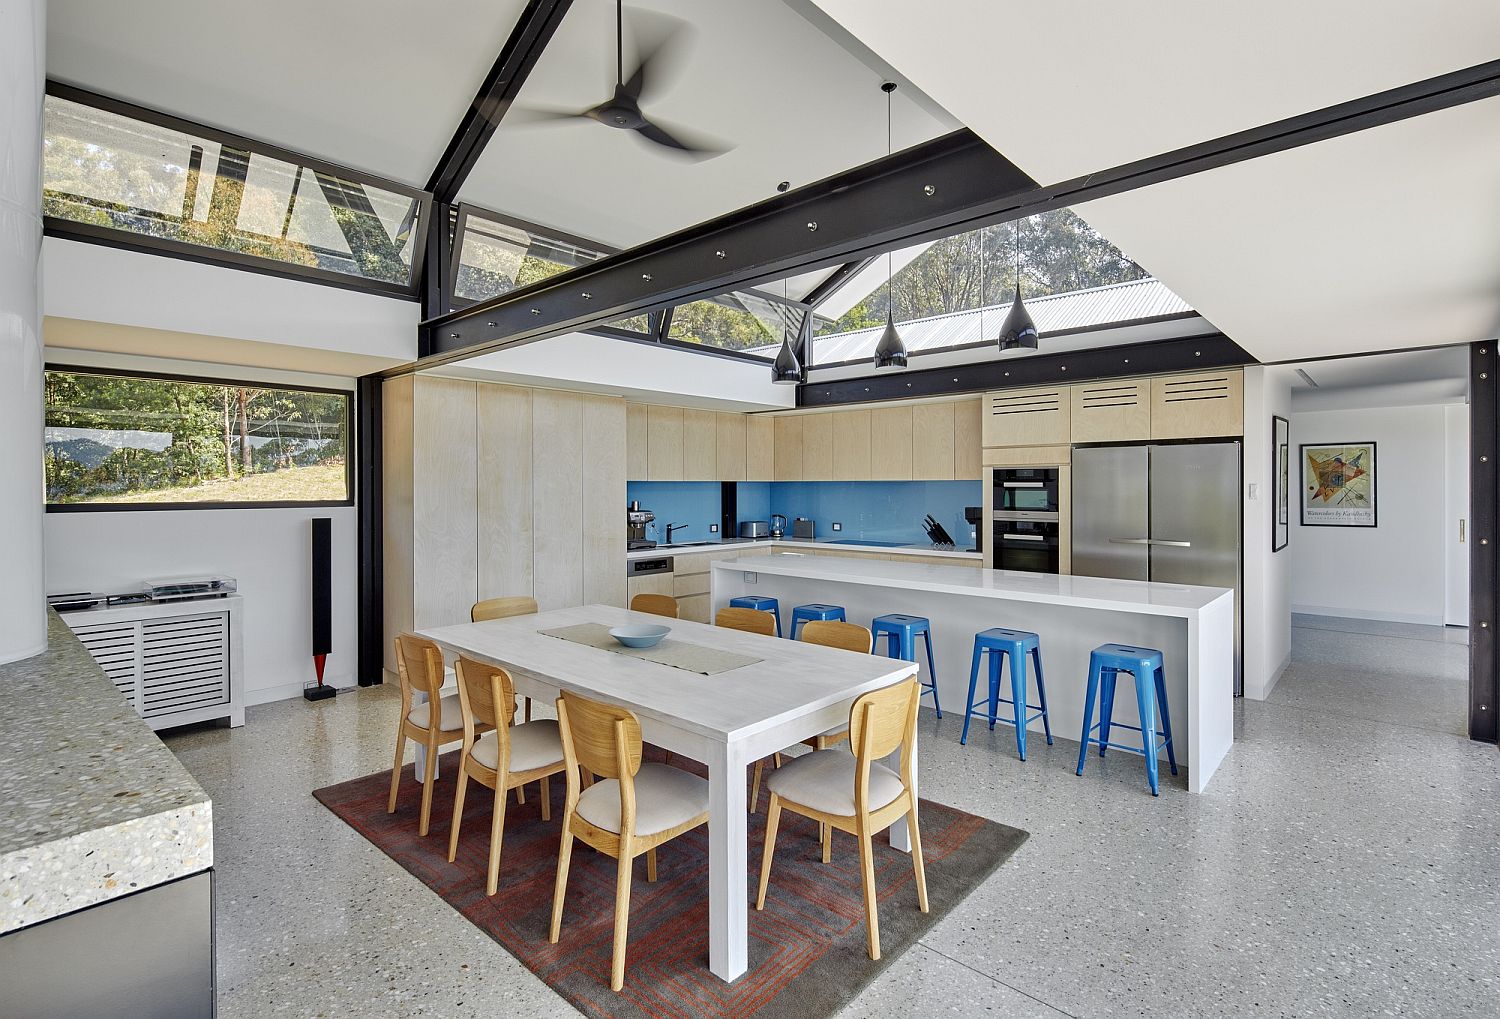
(1193, 627)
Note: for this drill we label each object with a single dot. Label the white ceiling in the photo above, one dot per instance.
(378, 85)
(797, 104)
(1446, 364)
(1378, 240)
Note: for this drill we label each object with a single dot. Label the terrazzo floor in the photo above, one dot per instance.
(1342, 863)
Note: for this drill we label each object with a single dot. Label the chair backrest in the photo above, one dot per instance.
(749, 620)
(486, 692)
(499, 608)
(882, 720)
(832, 633)
(604, 738)
(656, 604)
(419, 663)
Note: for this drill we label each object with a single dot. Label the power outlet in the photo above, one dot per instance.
(713, 528)
(837, 526)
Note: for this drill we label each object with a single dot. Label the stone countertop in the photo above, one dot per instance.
(741, 545)
(96, 806)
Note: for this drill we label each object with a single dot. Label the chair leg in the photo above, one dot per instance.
(497, 835)
(760, 766)
(1018, 699)
(973, 683)
(1041, 693)
(1108, 679)
(428, 780)
(564, 857)
(826, 835)
(520, 795)
(622, 917)
(1088, 715)
(1145, 699)
(931, 672)
(918, 865)
(458, 810)
(528, 709)
(396, 769)
(546, 797)
(867, 869)
(1166, 719)
(651, 865)
(997, 658)
(773, 819)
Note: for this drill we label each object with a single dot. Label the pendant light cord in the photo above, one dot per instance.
(619, 42)
(890, 274)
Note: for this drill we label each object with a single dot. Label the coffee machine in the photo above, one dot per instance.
(975, 516)
(636, 520)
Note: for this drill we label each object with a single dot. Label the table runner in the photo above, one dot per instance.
(679, 654)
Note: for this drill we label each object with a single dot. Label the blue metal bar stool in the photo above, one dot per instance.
(1106, 662)
(815, 611)
(760, 603)
(998, 643)
(901, 632)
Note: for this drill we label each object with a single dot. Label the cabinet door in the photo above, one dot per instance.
(851, 445)
(1116, 411)
(650, 583)
(731, 441)
(968, 443)
(637, 442)
(603, 470)
(700, 445)
(665, 444)
(557, 497)
(505, 540)
(1201, 405)
(891, 443)
(933, 439)
(695, 608)
(1039, 416)
(817, 447)
(760, 447)
(789, 448)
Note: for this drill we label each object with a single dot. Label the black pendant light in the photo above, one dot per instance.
(787, 371)
(1018, 332)
(890, 352)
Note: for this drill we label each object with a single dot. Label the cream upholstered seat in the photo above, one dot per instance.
(419, 664)
(824, 780)
(664, 798)
(532, 745)
(450, 714)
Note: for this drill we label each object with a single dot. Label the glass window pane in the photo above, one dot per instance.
(114, 171)
(743, 321)
(132, 440)
(634, 324)
(499, 257)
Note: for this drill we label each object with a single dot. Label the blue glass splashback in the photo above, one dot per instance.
(695, 503)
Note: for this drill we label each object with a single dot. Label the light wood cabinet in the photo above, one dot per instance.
(934, 437)
(637, 442)
(851, 445)
(557, 498)
(444, 497)
(788, 448)
(1115, 411)
(1201, 405)
(700, 445)
(1027, 456)
(1037, 416)
(602, 466)
(935, 560)
(892, 442)
(650, 583)
(697, 608)
(817, 447)
(664, 444)
(760, 447)
(730, 434)
(504, 550)
(968, 441)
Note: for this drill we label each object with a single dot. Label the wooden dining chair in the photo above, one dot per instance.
(656, 604)
(503, 608)
(505, 758)
(748, 620)
(848, 637)
(855, 792)
(419, 665)
(630, 809)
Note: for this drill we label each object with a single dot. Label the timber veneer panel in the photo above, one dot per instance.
(817, 447)
(760, 447)
(892, 442)
(504, 505)
(557, 448)
(603, 472)
(789, 448)
(637, 442)
(396, 508)
(851, 445)
(444, 521)
(932, 441)
(730, 436)
(968, 439)
(664, 444)
(700, 445)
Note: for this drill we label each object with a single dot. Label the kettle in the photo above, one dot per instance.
(778, 525)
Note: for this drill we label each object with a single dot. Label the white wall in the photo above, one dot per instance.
(1267, 575)
(1394, 570)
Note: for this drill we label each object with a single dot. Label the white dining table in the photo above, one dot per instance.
(726, 721)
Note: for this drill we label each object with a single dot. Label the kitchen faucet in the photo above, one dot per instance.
(674, 527)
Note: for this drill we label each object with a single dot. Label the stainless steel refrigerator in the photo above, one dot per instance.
(1163, 512)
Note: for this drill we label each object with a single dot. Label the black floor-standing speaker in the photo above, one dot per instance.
(322, 604)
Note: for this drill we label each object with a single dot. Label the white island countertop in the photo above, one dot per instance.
(807, 546)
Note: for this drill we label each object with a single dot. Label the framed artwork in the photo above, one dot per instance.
(1338, 485)
(1281, 482)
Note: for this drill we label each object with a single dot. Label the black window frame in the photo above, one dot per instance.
(351, 445)
(53, 226)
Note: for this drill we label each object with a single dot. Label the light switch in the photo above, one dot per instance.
(1254, 491)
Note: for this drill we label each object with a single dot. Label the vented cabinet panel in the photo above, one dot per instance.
(1116, 411)
(116, 647)
(166, 665)
(1202, 405)
(1039, 416)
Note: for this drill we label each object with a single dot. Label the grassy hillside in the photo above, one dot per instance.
(293, 484)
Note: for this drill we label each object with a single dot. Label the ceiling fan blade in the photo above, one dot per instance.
(541, 115)
(660, 42)
(679, 141)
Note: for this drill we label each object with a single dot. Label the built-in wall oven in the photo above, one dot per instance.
(1027, 541)
(1026, 490)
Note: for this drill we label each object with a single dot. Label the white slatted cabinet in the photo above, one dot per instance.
(175, 664)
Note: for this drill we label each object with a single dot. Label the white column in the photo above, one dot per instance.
(23, 38)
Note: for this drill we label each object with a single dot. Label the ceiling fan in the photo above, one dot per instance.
(622, 110)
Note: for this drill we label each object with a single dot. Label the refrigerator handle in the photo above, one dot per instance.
(1173, 544)
(1130, 541)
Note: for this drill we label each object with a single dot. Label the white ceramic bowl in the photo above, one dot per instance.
(639, 634)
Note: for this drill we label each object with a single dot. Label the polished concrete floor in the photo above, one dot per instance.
(1343, 862)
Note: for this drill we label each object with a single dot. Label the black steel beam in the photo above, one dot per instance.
(498, 90)
(1188, 353)
(368, 496)
(436, 282)
(820, 293)
(1484, 542)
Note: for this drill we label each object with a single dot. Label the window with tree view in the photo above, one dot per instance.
(129, 440)
(744, 321)
(104, 169)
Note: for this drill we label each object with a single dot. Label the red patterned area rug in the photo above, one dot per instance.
(807, 948)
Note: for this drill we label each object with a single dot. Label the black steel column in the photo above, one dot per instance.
(370, 664)
(1484, 542)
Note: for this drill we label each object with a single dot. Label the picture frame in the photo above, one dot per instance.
(1281, 482)
(1338, 482)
